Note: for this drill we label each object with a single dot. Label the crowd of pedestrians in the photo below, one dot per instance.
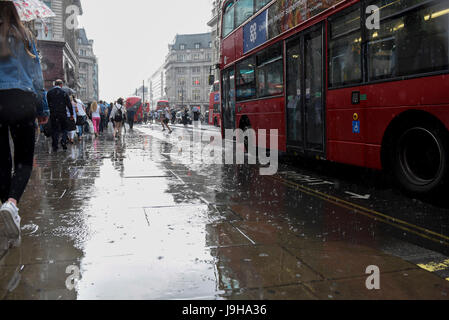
(26, 109)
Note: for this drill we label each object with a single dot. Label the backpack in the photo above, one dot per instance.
(119, 115)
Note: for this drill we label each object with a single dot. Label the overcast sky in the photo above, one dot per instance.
(131, 37)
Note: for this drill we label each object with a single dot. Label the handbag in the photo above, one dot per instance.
(47, 129)
(86, 127)
(80, 120)
(71, 125)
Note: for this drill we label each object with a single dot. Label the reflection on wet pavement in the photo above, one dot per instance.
(139, 226)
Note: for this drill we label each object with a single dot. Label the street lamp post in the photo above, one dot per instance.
(182, 97)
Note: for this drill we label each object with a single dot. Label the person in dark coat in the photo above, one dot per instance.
(60, 107)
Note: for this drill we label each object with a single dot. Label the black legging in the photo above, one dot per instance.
(17, 115)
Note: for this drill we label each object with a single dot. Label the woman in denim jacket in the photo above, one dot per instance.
(21, 101)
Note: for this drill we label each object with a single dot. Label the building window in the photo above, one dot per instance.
(180, 70)
(196, 95)
(181, 82)
(181, 94)
(196, 81)
(197, 45)
(44, 33)
(196, 70)
(182, 47)
(196, 57)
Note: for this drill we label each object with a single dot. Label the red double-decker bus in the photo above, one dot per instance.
(364, 83)
(214, 105)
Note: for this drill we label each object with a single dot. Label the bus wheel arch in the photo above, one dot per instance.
(415, 148)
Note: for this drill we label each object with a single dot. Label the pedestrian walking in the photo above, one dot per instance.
(118, 116)
(21, 101)
(166, 116)
(81, 117)
(196, 116)
(185, 117)
(59, 104)
(96, 117)
(131, 114)
(71, 122)
(173, 116)
(103, 115)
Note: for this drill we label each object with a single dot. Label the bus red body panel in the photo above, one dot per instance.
(376, 113)
(346, 88)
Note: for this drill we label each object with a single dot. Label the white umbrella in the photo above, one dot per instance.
(29, 10)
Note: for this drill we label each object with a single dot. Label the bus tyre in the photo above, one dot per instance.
(421, 159)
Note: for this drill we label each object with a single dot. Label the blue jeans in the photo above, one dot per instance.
(80, 129)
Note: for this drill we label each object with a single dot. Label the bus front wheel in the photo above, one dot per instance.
(421, 159)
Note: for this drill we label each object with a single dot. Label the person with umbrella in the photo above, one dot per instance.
(21, 101)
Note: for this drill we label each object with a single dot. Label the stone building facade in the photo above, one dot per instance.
(187, 69)
(88, 68)
(57, 44)
(215, 24)
(157, 87)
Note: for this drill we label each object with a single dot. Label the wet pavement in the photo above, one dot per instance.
(139, 225)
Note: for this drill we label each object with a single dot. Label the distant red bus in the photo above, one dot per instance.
(339, 88)
(162, 104)
(214, 105)
(135, 103)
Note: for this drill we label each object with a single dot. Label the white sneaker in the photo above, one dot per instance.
(9, 221)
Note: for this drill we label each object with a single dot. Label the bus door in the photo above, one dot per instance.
(305, 92)
(228, 100)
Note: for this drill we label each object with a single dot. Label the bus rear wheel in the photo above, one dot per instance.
(421, 159)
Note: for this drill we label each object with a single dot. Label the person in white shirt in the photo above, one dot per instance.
(81, 117)
(96, 117)
(118, 114)
(71, 133)
(166, 116)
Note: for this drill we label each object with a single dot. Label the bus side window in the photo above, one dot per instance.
(345, 59)
(246, 80)
(228, 19)
(413, 43)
